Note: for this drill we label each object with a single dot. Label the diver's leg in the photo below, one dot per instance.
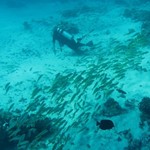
(54, 49)
(60, 45)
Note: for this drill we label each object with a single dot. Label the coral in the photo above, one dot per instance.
(112, 108)
(146, 29)
(134, 144)
(145, 138)
(21, 131)
(144, 106)
(143, 16)
(130, 104)
(137, 15)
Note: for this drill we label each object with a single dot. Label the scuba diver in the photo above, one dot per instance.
(65, 38)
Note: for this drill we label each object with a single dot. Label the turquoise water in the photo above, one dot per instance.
(75, 75)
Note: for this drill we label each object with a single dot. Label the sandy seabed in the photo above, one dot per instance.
(77, 87)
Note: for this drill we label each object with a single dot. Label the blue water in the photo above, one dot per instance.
(74, 75)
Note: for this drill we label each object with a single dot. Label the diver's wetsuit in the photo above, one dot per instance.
(65, 38)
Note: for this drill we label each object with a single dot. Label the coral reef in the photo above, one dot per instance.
(144, 106)
(146, 28)
(135, 143)
(142, 16)
(137, 15)
(22, 131)
(112, 108)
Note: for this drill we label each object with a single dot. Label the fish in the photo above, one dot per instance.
(11, 106)
(39, 77)
(105, 124)
(22, 145)
(96, 90)
(7, 85)
(44, 132)
(121, 91)
(74, 96)
(35, 92)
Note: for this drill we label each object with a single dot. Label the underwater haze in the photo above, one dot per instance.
(75, 75)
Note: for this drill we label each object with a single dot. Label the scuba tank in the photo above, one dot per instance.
(64, 34)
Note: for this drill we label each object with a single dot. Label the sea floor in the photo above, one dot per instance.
(110, 81)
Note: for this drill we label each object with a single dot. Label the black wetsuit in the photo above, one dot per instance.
(70, 42)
